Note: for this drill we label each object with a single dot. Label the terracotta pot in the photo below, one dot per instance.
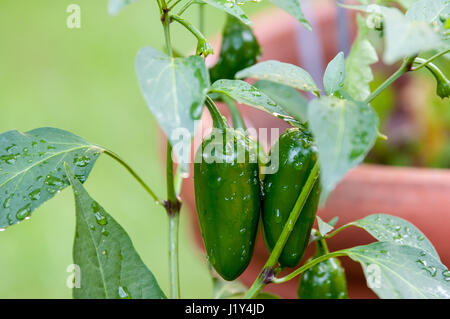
(421, 196)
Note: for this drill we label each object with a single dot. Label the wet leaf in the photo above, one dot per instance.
(344, 132)
(358, 72)
(280, 72)
(110, 266)
(402, 272)
(32, 172)
(245, 93)
(333, 79)
(290, 100)
(389, 228)
(175, 90)
(230, 7)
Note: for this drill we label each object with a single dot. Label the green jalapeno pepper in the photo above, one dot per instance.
(227, 194)
(326, 280)
(297, 156)
(239, 50)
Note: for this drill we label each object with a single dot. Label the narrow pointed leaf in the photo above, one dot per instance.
(32, 172)
(402, 272)
(344, 132)
(280, 72)
(110, 266)
(324, 228)
(397, 230)
(294, 8)
(230, 7)
(333, 79)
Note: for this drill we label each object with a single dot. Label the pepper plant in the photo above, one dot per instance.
(330, 134)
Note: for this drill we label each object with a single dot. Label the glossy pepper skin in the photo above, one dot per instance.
(326, 280)
(297, 156)
(239, 50)
(228, 201)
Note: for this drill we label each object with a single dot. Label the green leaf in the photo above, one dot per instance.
(404, 36)
(110, 266)
(290, 100)
(245, 93)
(389, 228)
(396, 271)
(358, 71)
(174, 89)
(294, 8)
(344, 132)
(280, 72)
(324, 228)
(429, 11)
(333, 79)
(32, 172)
(115, 6)
(230, 7)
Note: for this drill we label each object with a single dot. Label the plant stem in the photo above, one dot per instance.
(329, 235)
(238, 123)
(134, 174)
(405, 67)
(189, 26)
(437, 73)
(425, 62)
(185, 7)
(218, 120)
(201, 17)
(308, 265)
(267, 273)
(172, 204)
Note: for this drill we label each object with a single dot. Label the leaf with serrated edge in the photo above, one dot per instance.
(333, 79)
(230, 7)
(280, 72)
(402, 272)
(294, 8)
(32, 172)
(395, 229)
(110, 267)
(344, 132)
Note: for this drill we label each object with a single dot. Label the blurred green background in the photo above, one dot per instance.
(83, 81)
